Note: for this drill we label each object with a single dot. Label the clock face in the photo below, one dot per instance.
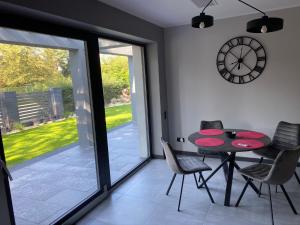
(241, 60)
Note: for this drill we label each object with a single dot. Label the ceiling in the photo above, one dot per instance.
(168, 13)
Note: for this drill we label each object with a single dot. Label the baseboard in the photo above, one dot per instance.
(158, 157)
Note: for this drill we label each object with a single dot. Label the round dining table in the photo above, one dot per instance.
(219, 141)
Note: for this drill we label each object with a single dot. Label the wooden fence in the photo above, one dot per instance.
(29, 108)
(33, 106)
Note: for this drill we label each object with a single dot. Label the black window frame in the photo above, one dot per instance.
(90, 36)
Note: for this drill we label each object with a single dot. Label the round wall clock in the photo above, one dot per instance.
(241, 60)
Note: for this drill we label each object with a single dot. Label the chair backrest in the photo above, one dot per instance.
(283, 167)
(287, 135)
(216, 124)
(170, 157)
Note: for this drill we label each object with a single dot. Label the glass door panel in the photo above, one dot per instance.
(46, 124)
(123, 79)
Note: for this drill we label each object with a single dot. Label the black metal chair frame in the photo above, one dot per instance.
(275, 176)
(182, 182)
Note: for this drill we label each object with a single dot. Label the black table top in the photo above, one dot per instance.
(227, 146)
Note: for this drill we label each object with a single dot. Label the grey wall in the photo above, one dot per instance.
(109, 20)
(197, 92)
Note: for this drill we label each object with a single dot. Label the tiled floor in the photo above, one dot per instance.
(142, 201)
(46, 188)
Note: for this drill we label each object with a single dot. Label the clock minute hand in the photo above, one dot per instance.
(246, 53)
(241, 51)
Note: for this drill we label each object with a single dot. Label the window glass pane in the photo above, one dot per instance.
(123, 78)
(46, 124)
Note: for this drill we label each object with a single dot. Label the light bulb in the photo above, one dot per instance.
(264, 29)
(202, 25)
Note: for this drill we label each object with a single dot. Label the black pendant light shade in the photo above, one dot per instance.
(265, 25)
(202, 21)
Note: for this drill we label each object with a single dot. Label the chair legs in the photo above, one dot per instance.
(203, 159)
(288, 199)
(172, 181)
(271, 206)
(215, 171)
(182, 182)
(260, 185)
(297, 177)
(206, 187)
(259, 193)
(178, 209)
(242, 194)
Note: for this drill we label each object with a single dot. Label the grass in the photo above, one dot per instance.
(28, 144)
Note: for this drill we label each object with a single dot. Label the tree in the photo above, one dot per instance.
(32, 66)
(115, 76)
(115, 70)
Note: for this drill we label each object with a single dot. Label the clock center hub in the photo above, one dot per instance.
(240, 60)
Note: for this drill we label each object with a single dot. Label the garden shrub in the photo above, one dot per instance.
(68, 101)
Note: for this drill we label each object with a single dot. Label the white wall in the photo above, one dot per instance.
(197, 92)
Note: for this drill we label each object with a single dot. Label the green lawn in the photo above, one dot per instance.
(34, 142)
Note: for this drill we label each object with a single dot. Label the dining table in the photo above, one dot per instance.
(229, 142)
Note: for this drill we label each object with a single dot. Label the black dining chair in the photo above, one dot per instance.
(185, 165)
(216, 124)
(277, 174)
(287, 135)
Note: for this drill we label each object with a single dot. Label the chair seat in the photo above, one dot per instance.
(192, 164)
(268, 152)
(256, 172)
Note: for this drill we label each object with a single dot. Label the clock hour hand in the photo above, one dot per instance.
(241, 52)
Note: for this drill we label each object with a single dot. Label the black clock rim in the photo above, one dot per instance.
(264, 66)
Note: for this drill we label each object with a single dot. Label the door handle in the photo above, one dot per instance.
(5, 169)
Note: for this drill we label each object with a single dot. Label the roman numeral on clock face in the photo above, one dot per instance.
(223, 72)
(240, 40)
(251, 77)
(241, 79)
(261, 58)
(221, 62)
(258, 69)
(231, 78)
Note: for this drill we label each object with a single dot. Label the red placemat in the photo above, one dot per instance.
(250, 134)
(209, 142)
(247, 143)
(211, 132)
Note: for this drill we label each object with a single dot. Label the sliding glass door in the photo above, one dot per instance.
(124, 90)
(53, 140)
(46, 125)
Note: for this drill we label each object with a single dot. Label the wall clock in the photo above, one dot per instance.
(241, 60)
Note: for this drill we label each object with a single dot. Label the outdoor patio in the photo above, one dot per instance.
(45, 188)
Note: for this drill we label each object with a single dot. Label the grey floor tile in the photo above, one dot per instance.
(142, 200)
